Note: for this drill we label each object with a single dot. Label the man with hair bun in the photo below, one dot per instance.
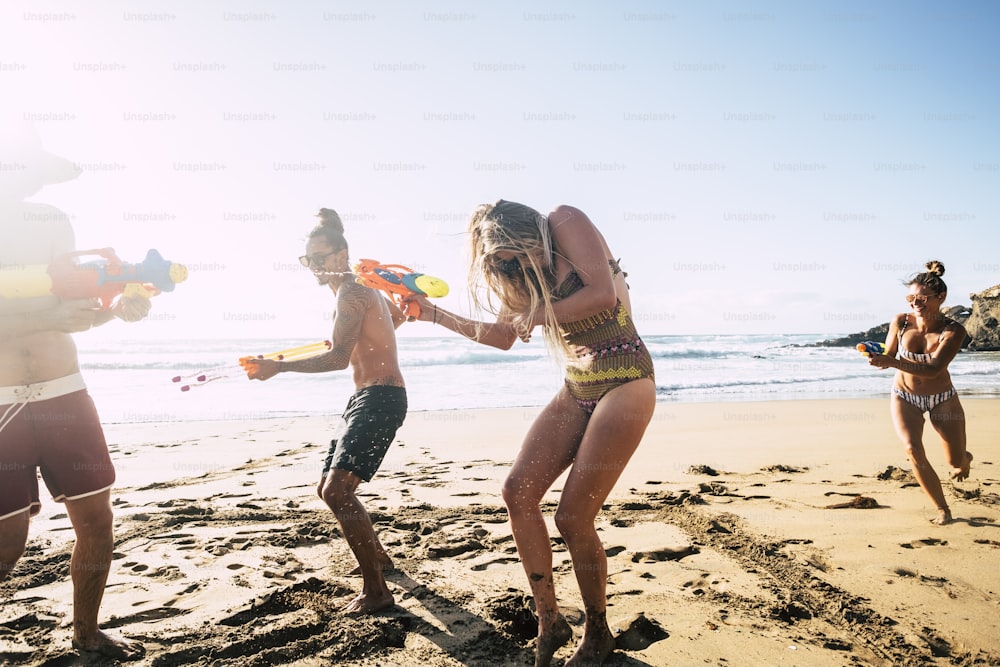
(920, 345)
(363, 338)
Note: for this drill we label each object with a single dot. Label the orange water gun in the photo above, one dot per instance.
(399, 282)
(105, 278)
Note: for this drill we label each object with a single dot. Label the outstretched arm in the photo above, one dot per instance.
(500, 334)
(352, 302)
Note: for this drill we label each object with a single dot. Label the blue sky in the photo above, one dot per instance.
(758, 166)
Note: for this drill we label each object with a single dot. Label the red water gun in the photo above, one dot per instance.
(399, 282)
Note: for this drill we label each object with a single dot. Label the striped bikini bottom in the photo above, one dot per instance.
(924, 403)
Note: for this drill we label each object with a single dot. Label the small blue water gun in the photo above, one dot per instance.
(870, 347)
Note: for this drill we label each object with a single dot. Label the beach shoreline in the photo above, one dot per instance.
(731, 539)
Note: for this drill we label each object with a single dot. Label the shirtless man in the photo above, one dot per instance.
(47, 419)
(364, 338)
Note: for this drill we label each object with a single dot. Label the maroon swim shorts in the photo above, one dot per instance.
(62, 438)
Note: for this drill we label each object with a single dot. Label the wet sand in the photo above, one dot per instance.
(741, 533)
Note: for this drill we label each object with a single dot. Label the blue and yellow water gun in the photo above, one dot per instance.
(870, 347)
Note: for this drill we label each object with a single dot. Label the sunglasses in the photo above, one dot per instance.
(920, 298)
(315, 260)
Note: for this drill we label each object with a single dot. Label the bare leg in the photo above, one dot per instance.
(381, 556)
(909, 423)
(13, 538)
(338, 492)
(92, 521)
(547, 450)
(948, 419)
(612, 436)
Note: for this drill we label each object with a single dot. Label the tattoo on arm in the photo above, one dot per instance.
(351, 306)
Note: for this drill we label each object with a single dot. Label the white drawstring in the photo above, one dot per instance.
(23, 396)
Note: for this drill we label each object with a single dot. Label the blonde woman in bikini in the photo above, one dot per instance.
(920, 345)
(557, 272)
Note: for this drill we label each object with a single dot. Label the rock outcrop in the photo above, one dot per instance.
(961, 314)
(983, 324)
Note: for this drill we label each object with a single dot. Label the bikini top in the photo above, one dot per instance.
(572, 283)
(916, 357)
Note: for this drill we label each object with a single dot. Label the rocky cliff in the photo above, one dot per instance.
(983, 324)
(962, 314)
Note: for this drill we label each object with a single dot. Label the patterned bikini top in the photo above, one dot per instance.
(573, 283)
(916, 357)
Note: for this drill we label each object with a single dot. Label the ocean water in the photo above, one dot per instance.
(131, 381)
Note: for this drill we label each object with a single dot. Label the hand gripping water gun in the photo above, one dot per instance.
(104, 279)
(870, 347)
(399, 282)
(300, 352)
(202, 377)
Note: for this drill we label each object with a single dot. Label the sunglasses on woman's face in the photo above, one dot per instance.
(920, 298)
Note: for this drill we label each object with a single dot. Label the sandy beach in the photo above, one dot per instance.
(750, 533)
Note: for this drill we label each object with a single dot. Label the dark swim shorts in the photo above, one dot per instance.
(62, 437)
(373, 416)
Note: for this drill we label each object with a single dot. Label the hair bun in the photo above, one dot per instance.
(329, 218)
(935, 267)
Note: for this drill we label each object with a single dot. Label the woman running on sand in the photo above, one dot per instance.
(920, 345)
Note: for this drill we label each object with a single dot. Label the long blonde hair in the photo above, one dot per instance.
(523, 284)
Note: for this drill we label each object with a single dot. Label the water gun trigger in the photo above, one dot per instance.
(411, 309)
(870, 347)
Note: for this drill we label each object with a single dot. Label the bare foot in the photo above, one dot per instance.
(943, 518)
(551, 641)
(595, 648)
(110, 647)
(367, 603)
(385, 562)
(962, 474)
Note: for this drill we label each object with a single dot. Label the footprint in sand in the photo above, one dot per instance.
(479, 567)
(928, 542)
(664, 554)
(700, 585)
(783, 469)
